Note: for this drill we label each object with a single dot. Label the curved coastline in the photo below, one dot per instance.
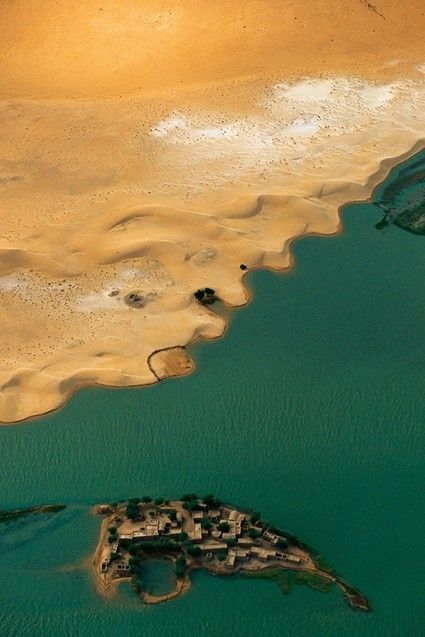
(257, 549)
(353, 597)
(125, 186)
(362, 192)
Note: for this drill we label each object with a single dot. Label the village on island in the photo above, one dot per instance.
(197, 533)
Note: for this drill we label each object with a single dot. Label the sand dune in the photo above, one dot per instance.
(149, 149)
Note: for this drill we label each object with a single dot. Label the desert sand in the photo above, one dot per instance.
(151, 148)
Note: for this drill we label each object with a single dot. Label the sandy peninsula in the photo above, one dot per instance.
(151, 149)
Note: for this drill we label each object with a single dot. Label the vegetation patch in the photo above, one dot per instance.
(354, 597)
(205, 296)
(314, 580)
(323, 565)
(281, 577)
(180, 567)
(154, 546)
(412, 220)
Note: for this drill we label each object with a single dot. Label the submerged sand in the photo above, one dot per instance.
(151, 148)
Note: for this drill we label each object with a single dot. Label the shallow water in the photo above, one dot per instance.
(157, 577)
(311, 409)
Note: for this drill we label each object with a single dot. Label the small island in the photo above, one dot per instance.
(204, 533)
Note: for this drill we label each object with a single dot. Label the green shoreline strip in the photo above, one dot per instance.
(280, 576)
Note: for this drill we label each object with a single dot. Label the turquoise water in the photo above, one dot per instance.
(311, 409)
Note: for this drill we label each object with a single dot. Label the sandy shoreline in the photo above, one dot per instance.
(151, 191)
(364, 193)
(105, 586)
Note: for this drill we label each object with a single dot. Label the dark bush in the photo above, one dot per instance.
(231, 542)
(188, 497)
(192, 505)
(194, 550)
(255, 516)
(180, 566)
(282, 543)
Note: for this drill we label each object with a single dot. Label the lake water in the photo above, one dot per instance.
(310, 409)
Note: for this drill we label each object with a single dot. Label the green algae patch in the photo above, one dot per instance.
(412, 220)
(402, 197)
(314, 580)
(323, 565)
(281, 577)
(354, 597)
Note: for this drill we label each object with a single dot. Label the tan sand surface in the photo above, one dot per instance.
(151, 148)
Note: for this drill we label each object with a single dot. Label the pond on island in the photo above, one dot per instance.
(157, 577)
